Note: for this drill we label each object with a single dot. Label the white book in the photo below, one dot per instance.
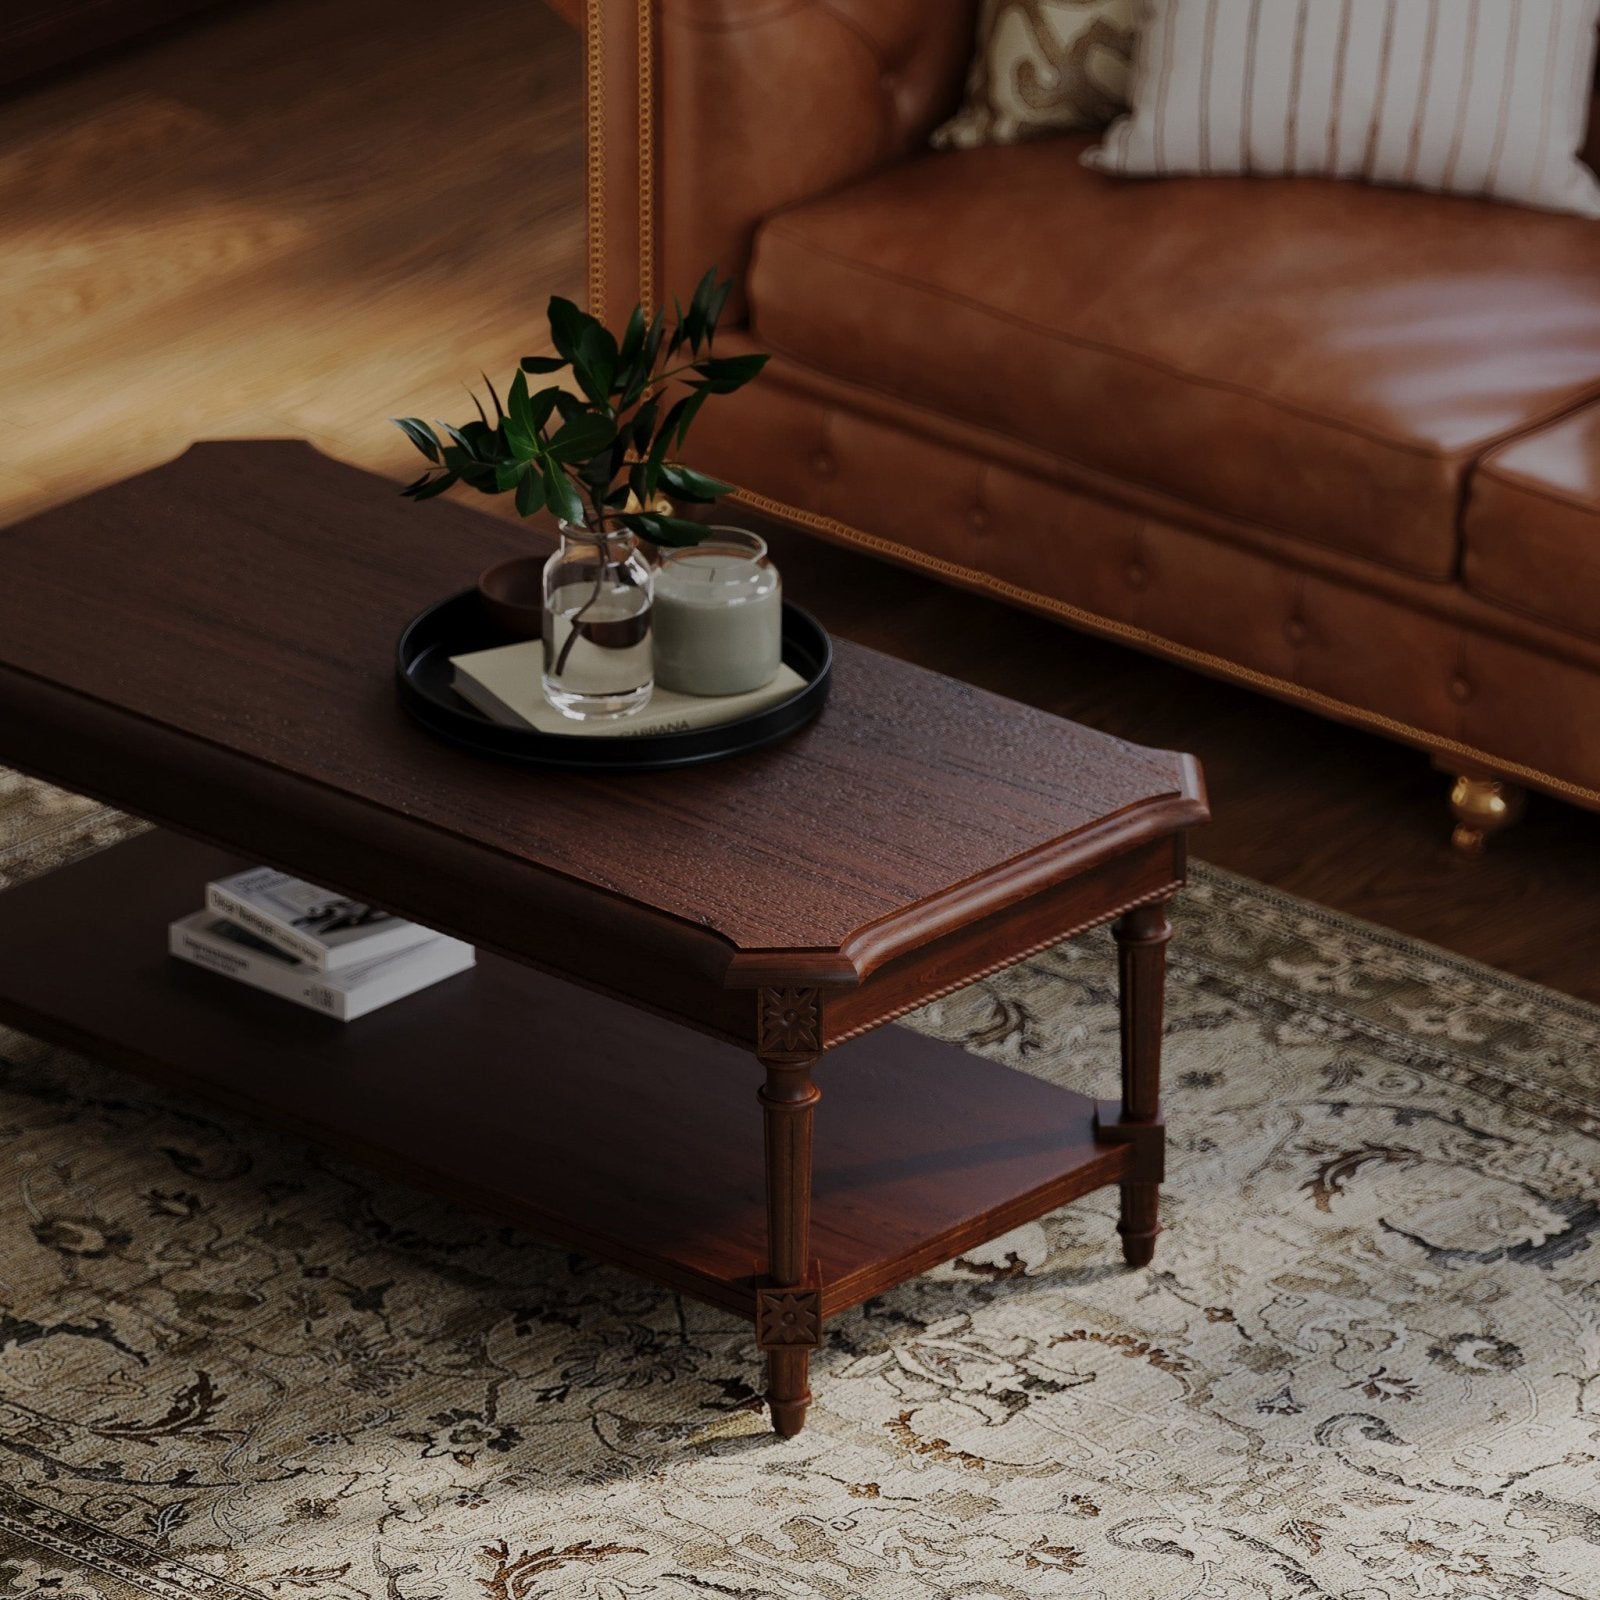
(217, 944)
(325, 930)
(505, 685)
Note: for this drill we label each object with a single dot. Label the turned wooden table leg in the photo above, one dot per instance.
(1141, 937)
(789, 1301)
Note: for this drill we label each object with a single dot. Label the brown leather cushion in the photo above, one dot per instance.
(1533, 525)
(1320, 358)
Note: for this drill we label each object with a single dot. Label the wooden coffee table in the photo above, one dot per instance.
(210, 646)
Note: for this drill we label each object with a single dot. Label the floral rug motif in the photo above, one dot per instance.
(1365, 1365)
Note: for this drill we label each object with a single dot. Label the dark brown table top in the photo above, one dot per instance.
(229, 621)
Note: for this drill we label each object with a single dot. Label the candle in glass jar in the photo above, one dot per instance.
(718, 616)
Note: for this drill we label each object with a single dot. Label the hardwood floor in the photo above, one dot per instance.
(294, 216)
(305, 216)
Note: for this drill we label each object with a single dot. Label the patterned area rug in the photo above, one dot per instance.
(1366, 1364)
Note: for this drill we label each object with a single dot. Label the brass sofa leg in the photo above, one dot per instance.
(1483, 806)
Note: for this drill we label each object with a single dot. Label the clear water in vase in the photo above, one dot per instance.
(607, 670)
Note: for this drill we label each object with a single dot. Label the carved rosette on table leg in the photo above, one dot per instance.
(1135, 1120)
(789, 1301)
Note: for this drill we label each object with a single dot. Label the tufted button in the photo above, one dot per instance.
(978, 520)
(1460, 690)
(1294, 630)
(1137, 574)
(823, 464)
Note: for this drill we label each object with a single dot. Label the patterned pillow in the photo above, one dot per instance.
(1476, 97)
(1044, 66)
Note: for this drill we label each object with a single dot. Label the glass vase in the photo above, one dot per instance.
(598, 657)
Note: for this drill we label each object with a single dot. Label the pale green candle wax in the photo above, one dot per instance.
(718, 618)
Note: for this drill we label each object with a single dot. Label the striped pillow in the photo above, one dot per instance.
(1479, 97)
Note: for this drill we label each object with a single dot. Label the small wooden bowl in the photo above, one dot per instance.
(512, 593)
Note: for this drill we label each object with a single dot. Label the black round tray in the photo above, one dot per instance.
(458, 625)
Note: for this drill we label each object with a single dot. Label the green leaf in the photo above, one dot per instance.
(698, 318)
(687, 484)
(671, 437)
(476, 438)
(530, 494)
(584, 436)
(567, 324)
(587, 345)
(539, 365)
(676, 414)
(521, 405)
(657, 458)
(674, 531)
(523, 446)
(681, 530)
(596, 365)
(630, 386)
(544, 403)
(633, 364)
(509, 474)
(411, 488)
(691, 409)
(652, 341)
(632, 339)
(561, 495)
(523, 421)
(714, 312)
(600, 472)
(725, 374)
(420, 434)
(644, 424)
(499, 410)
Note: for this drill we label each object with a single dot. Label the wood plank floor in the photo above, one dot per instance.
(294, 216)
(305, 216)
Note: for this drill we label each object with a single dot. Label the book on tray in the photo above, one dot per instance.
(504, 684)
(313, 946)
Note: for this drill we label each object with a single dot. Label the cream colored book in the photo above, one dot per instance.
(504, 684)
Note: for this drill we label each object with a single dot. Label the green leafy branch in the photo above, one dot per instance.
(601, 458)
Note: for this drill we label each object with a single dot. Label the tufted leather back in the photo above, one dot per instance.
(764, 102)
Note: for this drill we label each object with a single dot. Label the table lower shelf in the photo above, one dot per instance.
(578, 1117)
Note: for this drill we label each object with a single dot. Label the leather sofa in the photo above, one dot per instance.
(1336, 442)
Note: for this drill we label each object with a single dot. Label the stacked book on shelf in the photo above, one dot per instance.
(313, 946)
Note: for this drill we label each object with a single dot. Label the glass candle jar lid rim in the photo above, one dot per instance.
(737, 542)
(719, 580)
